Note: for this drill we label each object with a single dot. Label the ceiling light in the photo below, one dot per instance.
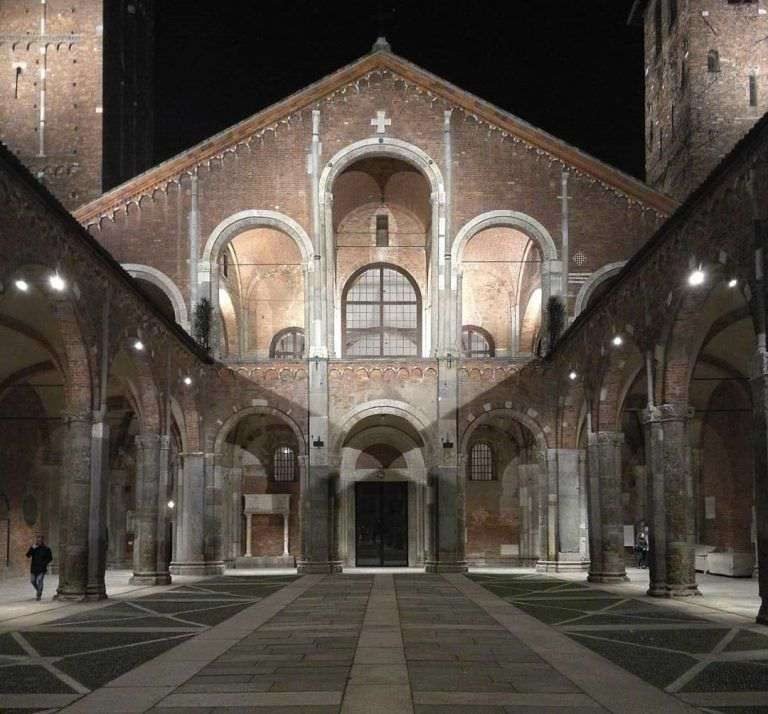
(138, 345)
(617, 341)
(57, 282)
(733, 282)
(22, 285)
(697, 277)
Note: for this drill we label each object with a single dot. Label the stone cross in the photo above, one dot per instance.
(381, 122)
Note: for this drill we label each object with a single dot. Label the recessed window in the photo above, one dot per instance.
(284, 464)
(753, 90)
(713, 61)
(382, 231)
(381, 313)
(476, 342)
(481, 462)
(288, 344)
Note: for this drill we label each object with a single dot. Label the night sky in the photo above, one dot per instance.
(571, 67)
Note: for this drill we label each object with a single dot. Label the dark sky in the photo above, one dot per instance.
(571, 67)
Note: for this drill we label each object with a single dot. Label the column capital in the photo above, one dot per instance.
(675, 411)
(598, 438)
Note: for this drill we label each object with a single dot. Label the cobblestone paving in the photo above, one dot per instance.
(79, 653)
(704, 662)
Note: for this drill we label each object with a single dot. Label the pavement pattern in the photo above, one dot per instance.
(390, 643)
(705, 661)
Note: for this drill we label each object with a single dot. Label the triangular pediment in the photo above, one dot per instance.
(382, 60)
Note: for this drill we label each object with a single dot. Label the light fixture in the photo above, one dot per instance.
(697, 277)
(572, 376)
(22, 285)
(138, 345)
(187, 380)
(171, 504)
(733, 282)
(617, 341)
(447, 443)
(57, 282)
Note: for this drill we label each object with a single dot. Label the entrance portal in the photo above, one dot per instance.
(381, 523)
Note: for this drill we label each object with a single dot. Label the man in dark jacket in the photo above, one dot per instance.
(40, 555)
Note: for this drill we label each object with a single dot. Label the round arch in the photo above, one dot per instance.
(533, 426)
(162, 281)
(384, 146)
(602, 274)
(231, 421)
(503, 219)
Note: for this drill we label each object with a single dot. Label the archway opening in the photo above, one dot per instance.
(503, 472)
(501, 288)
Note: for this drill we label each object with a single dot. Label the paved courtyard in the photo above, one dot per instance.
(401, 641)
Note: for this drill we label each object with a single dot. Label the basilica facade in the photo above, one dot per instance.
(385, 323)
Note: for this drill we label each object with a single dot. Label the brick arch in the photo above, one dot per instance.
(606, 272)
(384, 146)
(527, 421)
(238, 416)
(162, 281)
(615, 383)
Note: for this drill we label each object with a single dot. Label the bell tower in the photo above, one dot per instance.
(76, 91)
(706, 84)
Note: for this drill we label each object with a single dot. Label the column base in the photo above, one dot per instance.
(446, 566)
(150, 579)
(562, 566)
(197, 567)
(93, 593)
(75, 595)
(607, 578)
(762, 615)
(265, 561)
(670, 591)
(319, 567)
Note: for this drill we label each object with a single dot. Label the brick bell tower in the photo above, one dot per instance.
(706, 84)
(76, 91)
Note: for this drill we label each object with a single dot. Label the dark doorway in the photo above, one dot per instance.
(381, 524)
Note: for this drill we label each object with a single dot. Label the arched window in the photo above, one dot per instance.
(481, 462)
(288, 344)
(284, 465)
(476, 342)
(381, 313)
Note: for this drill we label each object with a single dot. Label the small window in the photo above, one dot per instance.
(382, 231)
(657, 26)
(481, 462)
(288, 344)
(753, 90)
(672, 13)
(284, 467)
(476, 342)
(713, 61)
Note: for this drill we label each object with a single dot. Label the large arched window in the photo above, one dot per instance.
(284, 464)
(381, 313)
(288, 344)
(476, 342)
(481, 462)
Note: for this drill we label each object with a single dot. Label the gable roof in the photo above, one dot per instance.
(380, 59)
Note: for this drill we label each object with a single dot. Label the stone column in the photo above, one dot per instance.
(606, 521)
(447, 479)
(760, 435)
(148, 540)
(190, 518)
(118, 480)
(562, 513)
(97, 515)
(216, 469)
(315, 496)
(75, 505)
(671, 508)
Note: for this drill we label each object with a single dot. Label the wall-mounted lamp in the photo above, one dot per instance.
(318, 443)
(449, 356)
(447, 443)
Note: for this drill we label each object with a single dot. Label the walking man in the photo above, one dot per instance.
(40, 555)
